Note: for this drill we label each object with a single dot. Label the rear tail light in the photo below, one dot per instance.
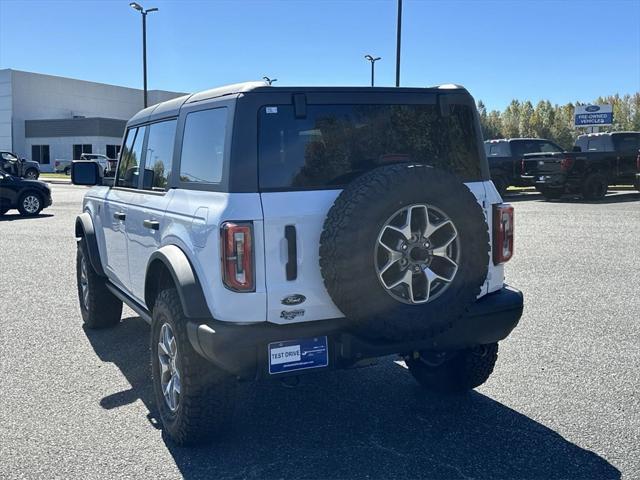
(237, 256)
(566, 163)
(503, 230)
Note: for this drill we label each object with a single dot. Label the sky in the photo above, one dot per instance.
(558, 50)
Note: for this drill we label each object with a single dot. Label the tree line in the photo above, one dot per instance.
(555, 122)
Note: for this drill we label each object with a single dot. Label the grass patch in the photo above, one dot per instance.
(54, 176)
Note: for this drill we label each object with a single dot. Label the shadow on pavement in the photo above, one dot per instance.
(8, 217)
(369, 423)
(612, 197)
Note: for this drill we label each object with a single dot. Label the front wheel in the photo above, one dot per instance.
(455, 372)
(193, 396)
(30, 204)
(99, 307)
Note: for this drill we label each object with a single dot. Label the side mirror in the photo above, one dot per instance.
(85, 172)
(576, 149)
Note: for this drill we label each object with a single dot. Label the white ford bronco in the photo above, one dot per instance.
(269, 232)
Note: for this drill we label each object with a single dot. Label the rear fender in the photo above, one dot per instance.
(175, 261)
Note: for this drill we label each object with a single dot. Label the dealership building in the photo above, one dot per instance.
(47, 118)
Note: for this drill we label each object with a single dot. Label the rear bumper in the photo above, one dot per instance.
(242, 349)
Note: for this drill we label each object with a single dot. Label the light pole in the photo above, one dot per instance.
(373, 61)
(269, 80)
(398, 39)
(138, 7)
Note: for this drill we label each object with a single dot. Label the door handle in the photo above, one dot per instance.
(120, 216)
(152, 224)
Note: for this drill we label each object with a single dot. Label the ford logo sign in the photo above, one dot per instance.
(592, 108)
(295, 299)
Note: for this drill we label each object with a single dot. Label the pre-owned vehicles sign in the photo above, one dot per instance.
(593, 115)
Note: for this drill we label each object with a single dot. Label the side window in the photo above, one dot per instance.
(203, 145)
(157, 166)
(129, 167)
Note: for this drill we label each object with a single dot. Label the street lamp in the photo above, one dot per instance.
(398, 40)
(138, 7)
(269, 80)
(373, 61)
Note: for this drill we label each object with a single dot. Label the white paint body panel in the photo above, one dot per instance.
(191, 220)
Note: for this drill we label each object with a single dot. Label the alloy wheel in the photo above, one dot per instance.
(169, 370)
(417, 254)
(31, 204)
(84, 282)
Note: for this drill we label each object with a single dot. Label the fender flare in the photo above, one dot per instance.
(194, 304)
(84, 229)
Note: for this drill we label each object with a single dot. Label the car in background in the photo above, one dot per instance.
(29, 197)
(505, 157)
(20, 167)
(597, 161)
(108, 164)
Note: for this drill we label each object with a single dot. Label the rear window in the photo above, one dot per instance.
(626, 142)
(333, 144)
(497, 149)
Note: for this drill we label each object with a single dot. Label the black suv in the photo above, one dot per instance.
(28, 196)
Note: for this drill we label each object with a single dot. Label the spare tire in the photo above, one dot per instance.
(404, 251)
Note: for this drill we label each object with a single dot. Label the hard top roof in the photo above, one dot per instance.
(170, 107)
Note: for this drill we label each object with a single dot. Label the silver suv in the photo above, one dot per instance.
(270, 232)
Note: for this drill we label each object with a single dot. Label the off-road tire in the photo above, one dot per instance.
(67, 171)
(594, 187)
(21, 207)
(103, 309)
(465, 371)
(349, 237)
(206, 398)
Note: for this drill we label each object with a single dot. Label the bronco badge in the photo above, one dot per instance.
(291, 314)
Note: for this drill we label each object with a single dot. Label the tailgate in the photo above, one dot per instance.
(541, 164)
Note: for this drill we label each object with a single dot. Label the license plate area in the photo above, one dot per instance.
(296, 355)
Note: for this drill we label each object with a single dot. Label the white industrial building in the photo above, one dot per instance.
(47, 118)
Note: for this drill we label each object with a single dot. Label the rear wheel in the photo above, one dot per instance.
(31, 174)
(99, 307)
(455, 372)
(595, 186)
(30, 204)
(193, 396)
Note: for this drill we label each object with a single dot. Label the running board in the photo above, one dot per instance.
(135, 306)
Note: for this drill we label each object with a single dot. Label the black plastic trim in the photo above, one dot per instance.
(240, 349)
(135, 306)
(84, 229)
(184, 278)
(292, 252)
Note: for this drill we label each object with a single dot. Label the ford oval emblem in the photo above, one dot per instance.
(592, 108)
(295, 299)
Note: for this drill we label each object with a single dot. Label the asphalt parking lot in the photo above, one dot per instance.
(562, 403)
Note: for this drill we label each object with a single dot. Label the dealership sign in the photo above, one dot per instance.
(593, 115)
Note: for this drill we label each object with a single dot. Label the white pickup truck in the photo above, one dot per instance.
(108, 164)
